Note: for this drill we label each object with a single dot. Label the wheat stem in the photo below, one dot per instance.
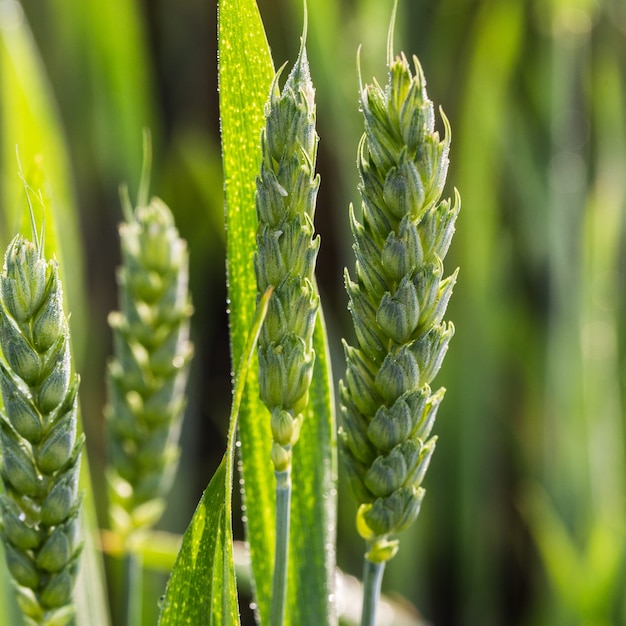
(279, 580)
(133, 565)
(372, 582)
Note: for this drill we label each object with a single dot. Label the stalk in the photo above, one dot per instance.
(285, 260)
(134, 588)
(372, 582)
(279, 581)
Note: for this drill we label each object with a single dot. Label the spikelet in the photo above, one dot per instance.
(148, 374)
(286, 253)
(397, 303)
(40, 450)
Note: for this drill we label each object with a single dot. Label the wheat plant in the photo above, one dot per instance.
(398, 299)
(285, 260)
(40, 449)
(148, 374)
(397, 303)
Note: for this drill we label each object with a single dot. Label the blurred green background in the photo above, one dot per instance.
(524, 519)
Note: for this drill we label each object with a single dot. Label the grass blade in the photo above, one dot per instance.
(497, 27)
(202, 588)
(118, 103)
(245, 61)
(311, 598)
(197, 576)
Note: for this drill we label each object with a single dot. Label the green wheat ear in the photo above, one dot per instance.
(40, 449)
(285, 260)
(286, 253)
(148, 374)
(397, 303)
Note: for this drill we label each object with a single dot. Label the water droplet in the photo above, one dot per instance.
(237, 444)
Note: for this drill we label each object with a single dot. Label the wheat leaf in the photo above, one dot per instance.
(246, 72)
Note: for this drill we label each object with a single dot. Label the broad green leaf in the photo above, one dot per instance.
(245, 74)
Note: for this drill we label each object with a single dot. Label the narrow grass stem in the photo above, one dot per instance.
(281, 558)
(372, 581)
(134, 589)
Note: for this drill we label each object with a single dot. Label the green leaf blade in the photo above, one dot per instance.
(202, 589)
(245, 75)
(246, 72)
(119, 103)
(314, 500)
(196, 592)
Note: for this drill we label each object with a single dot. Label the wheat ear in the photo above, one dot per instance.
(397, 302)
(40, 449)
(285, 260)
(148, 374)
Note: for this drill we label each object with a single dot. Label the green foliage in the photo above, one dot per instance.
(118, 97)
(196, 590)
(30, 124)
(206, 555)
(247, 62)
(524, 523)
(312, 528)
